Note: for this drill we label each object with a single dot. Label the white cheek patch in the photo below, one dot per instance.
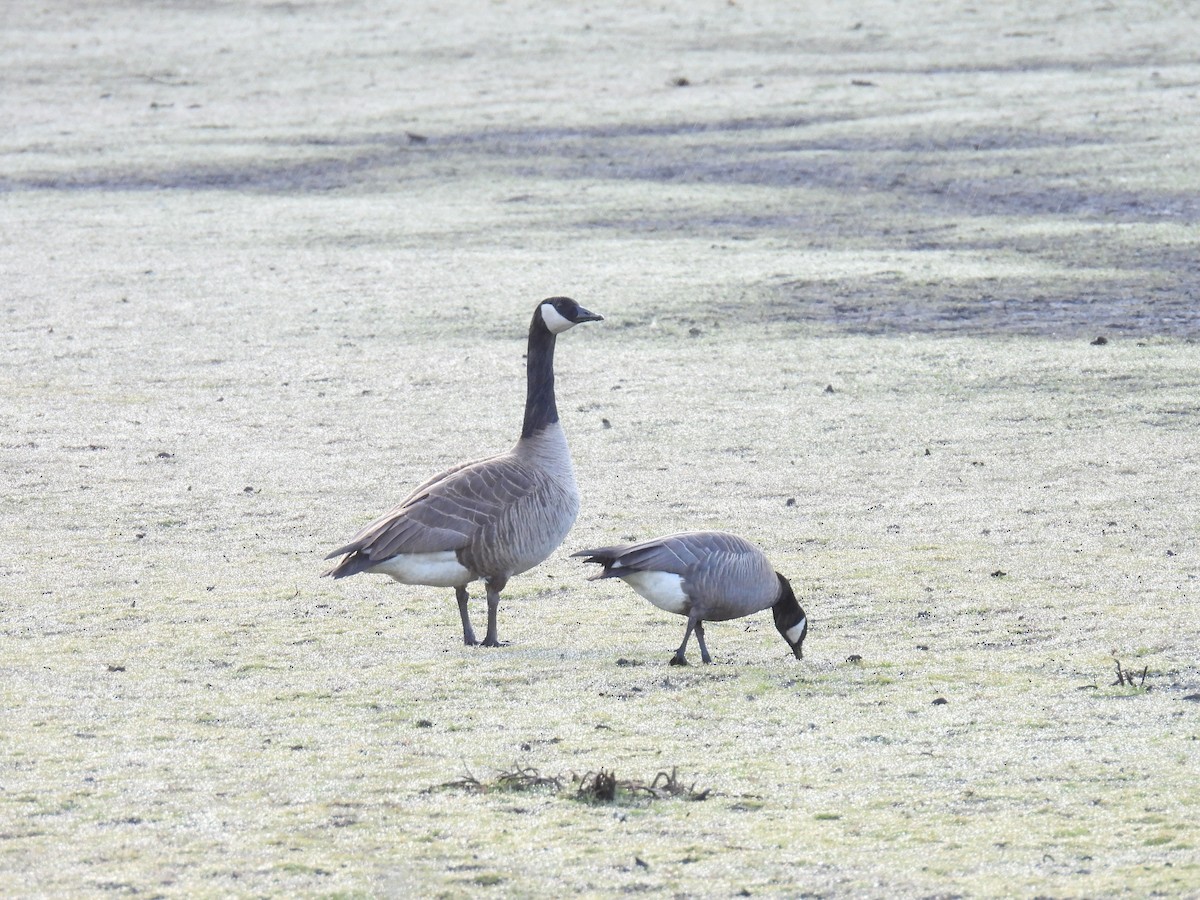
(793, 634)
(663, 589)
(555, 321)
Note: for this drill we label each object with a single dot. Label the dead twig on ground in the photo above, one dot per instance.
(601, 786)
(675, 788)
(1126, 678)
(597, 787)
(518, 778)
(605, 787)
(524, 778)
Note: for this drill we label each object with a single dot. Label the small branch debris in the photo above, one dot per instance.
(1126, 678)
(523, 778)
(605, 787)
(600, 786)
(518, 778)
(675, 788)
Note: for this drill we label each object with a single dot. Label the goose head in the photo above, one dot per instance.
(790, 618)
(560, 313)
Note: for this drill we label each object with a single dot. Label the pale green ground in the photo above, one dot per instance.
(242, 314)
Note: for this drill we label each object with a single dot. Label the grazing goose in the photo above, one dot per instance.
(489, 518)
(708, 576)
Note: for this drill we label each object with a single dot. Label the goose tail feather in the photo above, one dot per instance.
(351, 565)
(601, 556)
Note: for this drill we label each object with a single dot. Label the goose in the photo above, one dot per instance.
(489, 518)
(708, 576)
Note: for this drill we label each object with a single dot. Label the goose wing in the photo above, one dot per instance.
(680, 554)
(674, 553)
(723, 574)
(443, 513)
(733, 579)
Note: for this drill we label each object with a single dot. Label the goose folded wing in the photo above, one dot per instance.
(446, 514)
(445, 475)
(420, 525)
(657, 555)
(738, 582)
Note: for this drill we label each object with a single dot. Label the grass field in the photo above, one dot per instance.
(906, 296)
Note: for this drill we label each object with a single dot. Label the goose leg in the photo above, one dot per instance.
(679, 659)
(700, 640)
(494, 587)
(468, 631)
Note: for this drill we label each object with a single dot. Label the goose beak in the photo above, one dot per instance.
(586, 316)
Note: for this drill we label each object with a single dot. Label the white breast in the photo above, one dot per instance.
(440, 569)
(663, 589)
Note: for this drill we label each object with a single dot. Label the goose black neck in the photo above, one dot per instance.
(540, 408)
(786, 609)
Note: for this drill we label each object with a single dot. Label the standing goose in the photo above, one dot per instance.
(708, 576)
(489, 518)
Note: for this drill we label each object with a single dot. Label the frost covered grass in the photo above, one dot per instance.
(189, 708)
(855, 322)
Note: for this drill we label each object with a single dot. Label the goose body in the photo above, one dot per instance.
(707, 576)
(489, 518)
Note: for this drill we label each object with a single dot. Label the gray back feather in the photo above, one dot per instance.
(502, 514)
(725, 576)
